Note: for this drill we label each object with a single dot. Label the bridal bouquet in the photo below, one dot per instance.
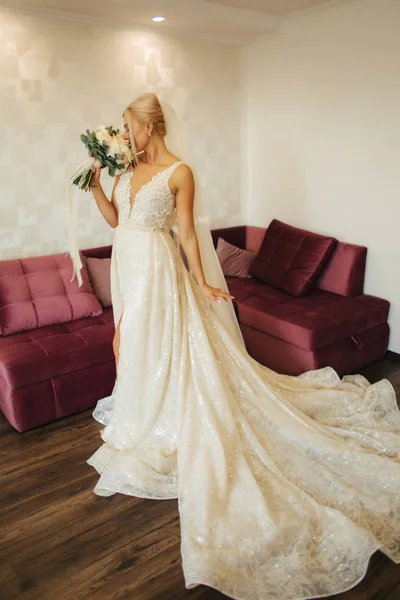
(107, 147)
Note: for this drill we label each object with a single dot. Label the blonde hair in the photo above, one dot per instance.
(146, 109)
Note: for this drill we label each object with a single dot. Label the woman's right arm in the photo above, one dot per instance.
(108, 209)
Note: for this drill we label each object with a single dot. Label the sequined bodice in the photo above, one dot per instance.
(154, 203)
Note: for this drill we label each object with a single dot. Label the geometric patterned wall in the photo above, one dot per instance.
(59, 77)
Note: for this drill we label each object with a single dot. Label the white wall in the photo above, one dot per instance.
(59, 77)
(315, 121)
(322, 129)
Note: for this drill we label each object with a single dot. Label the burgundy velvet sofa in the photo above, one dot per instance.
(333, 324)
(53, 361)
(56, 354)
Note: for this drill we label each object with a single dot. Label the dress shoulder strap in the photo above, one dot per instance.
(172, 168)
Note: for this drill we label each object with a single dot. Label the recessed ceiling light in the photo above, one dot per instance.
(158, 19)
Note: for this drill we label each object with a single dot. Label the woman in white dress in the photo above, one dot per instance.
(285, 485)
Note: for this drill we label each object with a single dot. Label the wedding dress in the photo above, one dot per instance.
(285, 485)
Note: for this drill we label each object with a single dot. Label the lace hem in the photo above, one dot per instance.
(195, 576)
(137, 480)
(103, 410)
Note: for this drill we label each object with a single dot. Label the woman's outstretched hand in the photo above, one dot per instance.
(215, 293)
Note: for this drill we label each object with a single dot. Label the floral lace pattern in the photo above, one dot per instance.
(286, 485)
(153, 204)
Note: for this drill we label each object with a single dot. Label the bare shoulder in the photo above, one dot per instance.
(182, 174)
(184, 169)
(181, 179)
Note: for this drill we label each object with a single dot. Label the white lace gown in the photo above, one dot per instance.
(285, 485)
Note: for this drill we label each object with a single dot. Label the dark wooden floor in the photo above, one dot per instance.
(59, 541)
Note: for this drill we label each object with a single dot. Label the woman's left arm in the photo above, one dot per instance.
(184, 188)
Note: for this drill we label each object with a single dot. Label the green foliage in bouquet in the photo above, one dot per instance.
(109, 148)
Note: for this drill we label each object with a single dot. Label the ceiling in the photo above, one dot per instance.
(232, 21)
(277, 7)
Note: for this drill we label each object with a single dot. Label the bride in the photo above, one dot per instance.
(286, 485)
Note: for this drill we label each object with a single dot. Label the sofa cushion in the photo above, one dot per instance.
(344, 273)
(235, 261)
(100, 278)
(348, 355)
(249, 237)
(246, 289)
(37, 291)
(291, 259)
(310, 322)
(51, 351)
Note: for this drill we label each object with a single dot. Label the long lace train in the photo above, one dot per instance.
(285, 485)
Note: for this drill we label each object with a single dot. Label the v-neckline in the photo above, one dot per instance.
(131, 204)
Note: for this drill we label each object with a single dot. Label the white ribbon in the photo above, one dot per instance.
(72, 233)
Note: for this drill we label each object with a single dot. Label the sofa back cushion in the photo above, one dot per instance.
(37, 291)
(99, 270)
(291, 259)
(248, 237)
(235, 261)
(345, 272)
